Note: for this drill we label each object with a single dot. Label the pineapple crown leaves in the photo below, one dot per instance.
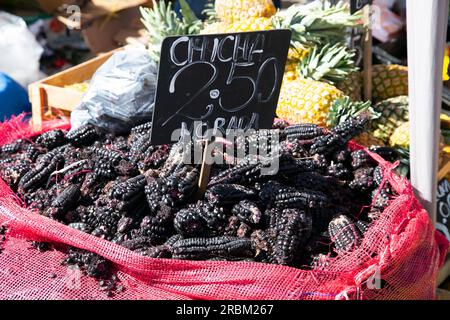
(317, 24)
(209, 12)
(192, 24)
(344, 109)
(330, 64)
(161, 21)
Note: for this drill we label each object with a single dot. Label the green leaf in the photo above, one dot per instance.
(188, 15)
(344, 108)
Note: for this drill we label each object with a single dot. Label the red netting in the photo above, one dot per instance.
(402, 247)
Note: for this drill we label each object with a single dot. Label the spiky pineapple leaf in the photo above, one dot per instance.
(331, 63)
(192, 23)
(317, 24)
(209, 12)
(344, 109)
(161, 21)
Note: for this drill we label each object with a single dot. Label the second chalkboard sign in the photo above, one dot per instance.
(443, 211)
(218, 82)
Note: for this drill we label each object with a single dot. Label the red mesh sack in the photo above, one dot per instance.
(399, 258)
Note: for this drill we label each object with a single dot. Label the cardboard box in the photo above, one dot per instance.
(50, 6)
(102, 35)
(107, 24)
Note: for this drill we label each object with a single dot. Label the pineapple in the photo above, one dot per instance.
(445, 121)
(310, 97)
(251, 24)
(352, 86)
(314, 24)
(445, 73)
(213, 28)
(296, 54)
(368, 140)
(239, 10)
(394, 112)
(310, 25)
(306, 101)
(389, 81)
(400, 137)
(161, 21)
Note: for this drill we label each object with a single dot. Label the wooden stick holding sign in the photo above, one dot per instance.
(367, 11)
(366, 6)
(205, 170)
(444, 171)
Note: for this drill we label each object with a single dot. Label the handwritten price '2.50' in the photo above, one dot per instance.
(230, 79)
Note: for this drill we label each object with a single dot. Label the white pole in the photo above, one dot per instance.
(427, 28)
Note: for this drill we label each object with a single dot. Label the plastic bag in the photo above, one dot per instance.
(399, 258)
(20, 52)
(121, 94)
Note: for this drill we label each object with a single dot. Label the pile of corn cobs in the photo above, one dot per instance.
(125, 190)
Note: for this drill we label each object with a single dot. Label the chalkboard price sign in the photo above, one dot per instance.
(356, 5)
(218, 82)
(443, 211)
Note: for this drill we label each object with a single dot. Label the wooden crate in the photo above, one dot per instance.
(48, 97)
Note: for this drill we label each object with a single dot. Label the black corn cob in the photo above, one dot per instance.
(51, 139)
(40, 174)
(351, 128)
(125, 224)
(108, 155)
(11, 147)
(208, 248)
(327, 144)
(13, 174)
(83, 136)
(264, 243)
(34, 151)
(362, 226)
(363, 180)
(241, 174)
(304, 131)
(247, 212)
(293, 229)
(66, 200)
(361, 158)
(129, 189)
(339, 171)
(228, 194)
(268, 192)
(378, 175)
(189, 223)
(159, 227)
(142, 128)
(344, 234)
(290, 198)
